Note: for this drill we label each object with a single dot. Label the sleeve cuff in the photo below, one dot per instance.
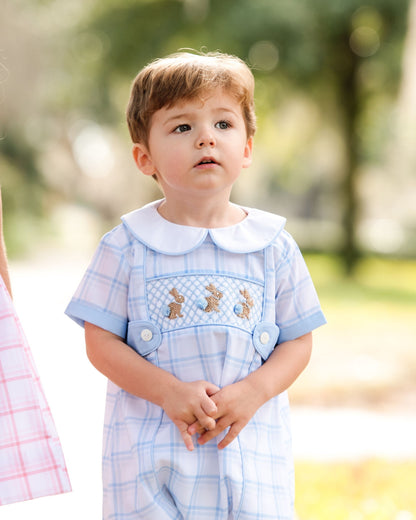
(302, 327)
(81, 313)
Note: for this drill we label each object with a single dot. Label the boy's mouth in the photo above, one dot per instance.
(206, 161)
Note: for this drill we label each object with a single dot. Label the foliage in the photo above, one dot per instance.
(327, 48)
(339, 59)
(138, 32)
(24, 196)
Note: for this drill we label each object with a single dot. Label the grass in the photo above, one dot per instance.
(366, 354)
(368, 490)
(376, 280)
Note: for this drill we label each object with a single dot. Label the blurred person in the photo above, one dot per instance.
(32, 464)
(198, 311)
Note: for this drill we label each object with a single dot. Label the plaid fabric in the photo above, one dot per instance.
(127, 289)
(31, 459)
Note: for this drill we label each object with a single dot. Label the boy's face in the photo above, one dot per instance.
(196, 148)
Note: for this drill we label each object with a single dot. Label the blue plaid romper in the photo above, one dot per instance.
(205, 304)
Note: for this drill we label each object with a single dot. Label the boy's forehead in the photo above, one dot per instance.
(212, 98)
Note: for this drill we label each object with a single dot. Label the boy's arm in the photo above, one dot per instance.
(237, 403)
(183, 402)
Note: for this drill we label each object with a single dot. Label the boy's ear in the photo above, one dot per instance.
(248, 153)
(142, 159)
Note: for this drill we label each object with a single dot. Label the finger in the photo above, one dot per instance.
(209, 435)
(187, 438)
(212, 389)
(230, 437)
(208, 406)
(196, 428)
(205, 421)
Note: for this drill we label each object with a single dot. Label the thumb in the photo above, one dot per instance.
(208, 406)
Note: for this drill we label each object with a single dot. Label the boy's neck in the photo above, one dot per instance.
(204, 214)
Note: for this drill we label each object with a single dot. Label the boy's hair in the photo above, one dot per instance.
(186, 76)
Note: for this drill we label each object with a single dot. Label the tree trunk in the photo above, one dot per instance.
(349, 105)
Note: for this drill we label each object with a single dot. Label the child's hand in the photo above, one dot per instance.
(189, 403)
(236, 403)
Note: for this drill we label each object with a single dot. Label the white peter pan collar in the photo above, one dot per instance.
(253, 233)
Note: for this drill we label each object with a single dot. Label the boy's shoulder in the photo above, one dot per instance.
(118, 238)
(127, 233)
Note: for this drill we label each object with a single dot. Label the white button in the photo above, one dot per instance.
(146, 335)
(264, 338)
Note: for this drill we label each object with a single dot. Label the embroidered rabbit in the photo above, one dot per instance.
(214, 300)
(175, 307)
(246, 305)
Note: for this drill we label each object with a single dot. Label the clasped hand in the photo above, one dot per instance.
(203, 408)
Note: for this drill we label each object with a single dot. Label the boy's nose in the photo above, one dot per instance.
(206, 139)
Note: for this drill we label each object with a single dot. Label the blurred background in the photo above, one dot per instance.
(334, 153)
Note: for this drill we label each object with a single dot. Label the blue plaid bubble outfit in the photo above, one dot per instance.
(205, 304)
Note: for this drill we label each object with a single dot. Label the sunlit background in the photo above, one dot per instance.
(335, 153)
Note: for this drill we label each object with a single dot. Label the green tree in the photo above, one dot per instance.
(24, 191)
(343, 54)
(324, 48)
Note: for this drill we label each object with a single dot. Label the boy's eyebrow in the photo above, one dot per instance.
(187, 115)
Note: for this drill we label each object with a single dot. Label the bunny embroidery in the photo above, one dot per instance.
(175, 307)
(213, 301)
(244, 308)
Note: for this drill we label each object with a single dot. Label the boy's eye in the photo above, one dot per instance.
(182, 128)
(223, 125)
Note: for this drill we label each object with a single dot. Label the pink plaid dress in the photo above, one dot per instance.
(31, 459)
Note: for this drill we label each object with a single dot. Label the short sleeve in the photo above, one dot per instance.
(298, 310)
(101, 297)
